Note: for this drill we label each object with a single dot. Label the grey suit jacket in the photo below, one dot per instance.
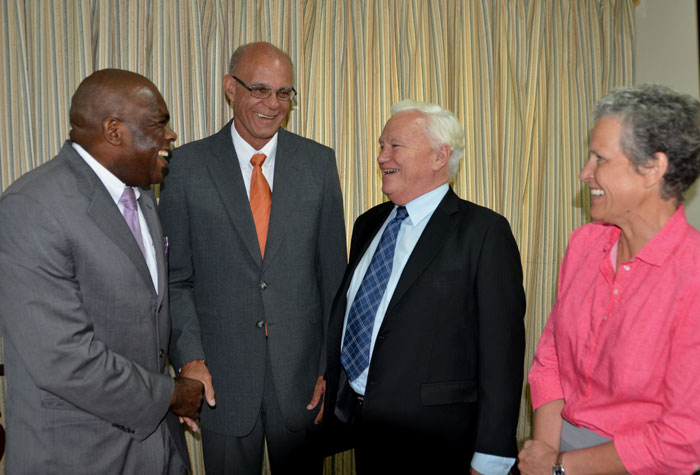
(221, 291)
(86, 335)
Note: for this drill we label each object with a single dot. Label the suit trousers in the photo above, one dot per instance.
(289, 452)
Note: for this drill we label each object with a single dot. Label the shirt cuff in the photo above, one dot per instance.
(492, 464)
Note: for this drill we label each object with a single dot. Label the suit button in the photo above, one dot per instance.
(161, 353)
(260, 323)
(263, 285)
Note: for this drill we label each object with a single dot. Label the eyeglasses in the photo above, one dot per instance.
(263, 92)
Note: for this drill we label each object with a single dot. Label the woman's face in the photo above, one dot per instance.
(617, 188)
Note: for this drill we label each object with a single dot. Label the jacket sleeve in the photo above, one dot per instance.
(501, 345)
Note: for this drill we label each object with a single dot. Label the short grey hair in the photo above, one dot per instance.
(655, 119)
(443, 128)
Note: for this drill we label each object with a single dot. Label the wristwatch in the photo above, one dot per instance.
(558, 468)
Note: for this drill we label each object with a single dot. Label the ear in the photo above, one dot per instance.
(112, 130)
(655, 171)
(229, 87)
(442, 155)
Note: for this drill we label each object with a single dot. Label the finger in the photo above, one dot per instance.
(314, 401)
(209, 394)
(319, 416)
(192, 424)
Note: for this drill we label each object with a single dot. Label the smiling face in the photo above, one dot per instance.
(618, 190)
(411, 166)
(257, 120)
(146, 138)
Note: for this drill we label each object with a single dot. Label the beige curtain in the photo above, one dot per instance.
(522, 76)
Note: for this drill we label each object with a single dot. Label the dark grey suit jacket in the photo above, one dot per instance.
(86, 335)
(222, 292)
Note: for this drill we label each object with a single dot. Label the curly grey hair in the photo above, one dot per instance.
(658, 119)
(443, 128)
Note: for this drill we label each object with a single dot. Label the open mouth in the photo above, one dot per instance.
(390, 171)
(166, 154)
(597, 192)
(263, 116)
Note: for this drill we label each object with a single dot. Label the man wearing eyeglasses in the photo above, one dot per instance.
(255, 223)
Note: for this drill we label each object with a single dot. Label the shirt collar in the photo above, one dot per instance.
(115, 187)
(662, 245)
(665, 242)
(425, 204)
(245, 151)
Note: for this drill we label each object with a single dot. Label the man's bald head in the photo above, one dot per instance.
(105, 93)
(250, 50)
(121, 120)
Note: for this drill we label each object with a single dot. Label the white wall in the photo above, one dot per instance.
(667, 53)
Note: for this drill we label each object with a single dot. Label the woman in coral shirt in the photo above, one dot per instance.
(616, 379)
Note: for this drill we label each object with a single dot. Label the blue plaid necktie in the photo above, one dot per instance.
(358, 334)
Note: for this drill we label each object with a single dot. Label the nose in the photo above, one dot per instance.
(383, 156)
(170, 134)
(586, 173)
(272, 102)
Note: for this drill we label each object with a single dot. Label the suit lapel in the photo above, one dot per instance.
(284, 194)
(429, 244)
(105, 213)
(151, 216)
(228, 181)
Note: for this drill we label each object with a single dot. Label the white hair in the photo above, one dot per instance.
(443, 128)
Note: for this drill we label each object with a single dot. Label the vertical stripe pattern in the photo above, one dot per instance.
(522, 76)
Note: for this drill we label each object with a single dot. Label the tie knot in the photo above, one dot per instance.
(128, 198)
(258, 159)
(401, 213)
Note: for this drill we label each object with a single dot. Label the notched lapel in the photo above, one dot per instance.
(154, 229)
(105, 213)
(428, 246)
(284, 194)
(226, 176)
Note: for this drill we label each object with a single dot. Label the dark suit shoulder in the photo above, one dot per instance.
(468, 210)
(286, 135)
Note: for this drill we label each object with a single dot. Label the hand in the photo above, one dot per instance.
(473, 472)
(319, 392)
(536, 458)
(187, 397)
(196, 369)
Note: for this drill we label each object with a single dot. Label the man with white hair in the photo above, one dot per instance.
(426, 339)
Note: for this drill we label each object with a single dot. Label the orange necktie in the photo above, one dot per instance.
(260, 200)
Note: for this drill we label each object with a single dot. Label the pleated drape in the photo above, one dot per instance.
(522, 76)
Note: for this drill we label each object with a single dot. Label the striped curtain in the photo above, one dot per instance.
(522, 76)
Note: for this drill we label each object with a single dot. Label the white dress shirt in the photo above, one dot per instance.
(419, 212)
(245, 152)
(115, 188)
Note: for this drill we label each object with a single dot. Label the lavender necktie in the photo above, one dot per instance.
(131, 215)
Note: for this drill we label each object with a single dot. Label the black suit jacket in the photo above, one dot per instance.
(447, 365)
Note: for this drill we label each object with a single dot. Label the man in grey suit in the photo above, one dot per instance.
(84, 309)
(250, 307)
